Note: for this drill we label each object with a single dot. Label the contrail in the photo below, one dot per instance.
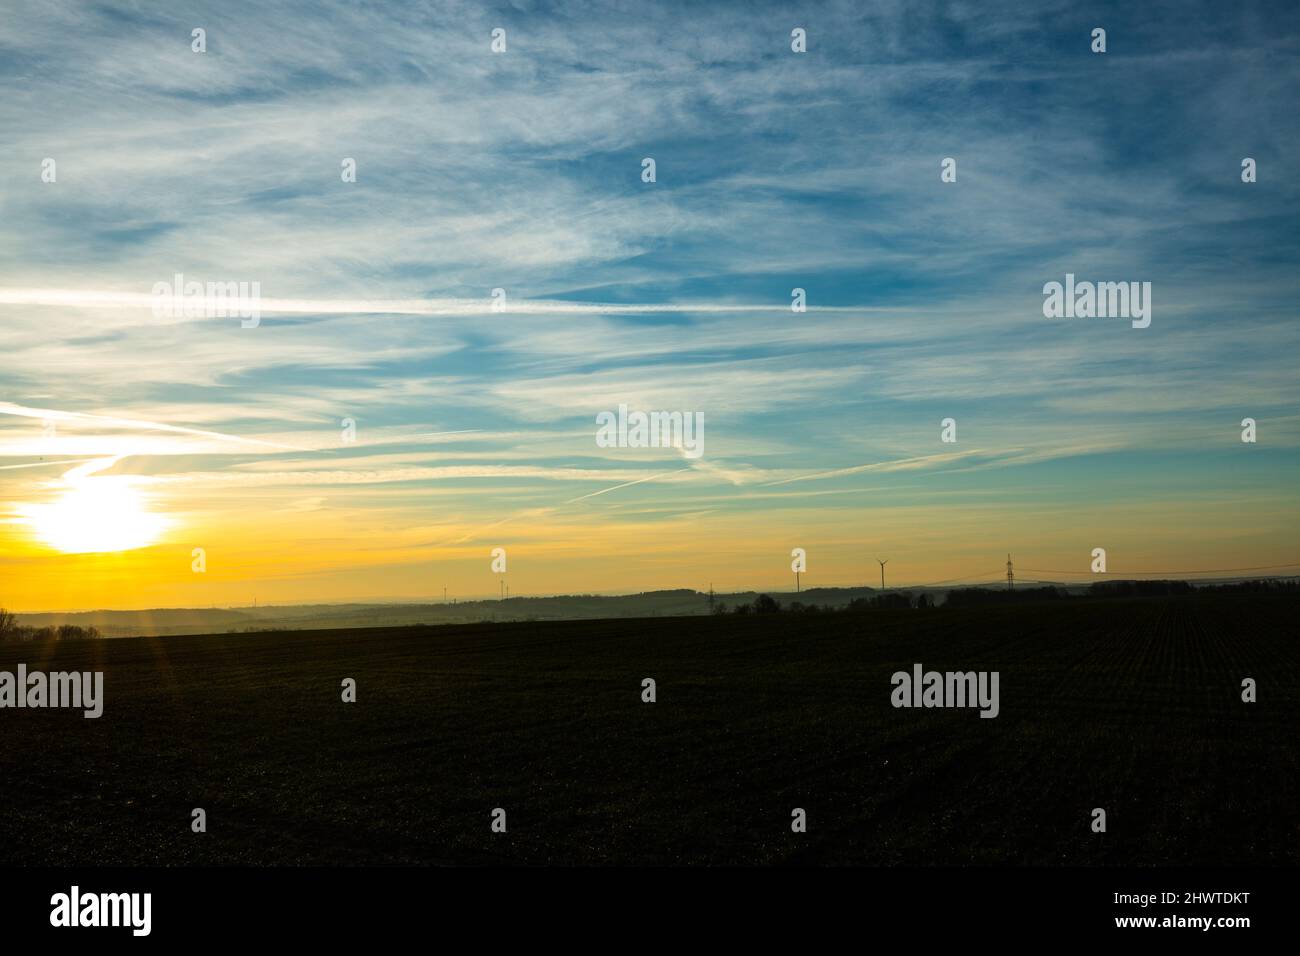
(50, 414)
(549, 510)
(626, 484)
(91, 299)
(896, 464)
(470, 536)
(44, 464)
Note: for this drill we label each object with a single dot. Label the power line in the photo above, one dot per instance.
(1266, 567)
(967, 577)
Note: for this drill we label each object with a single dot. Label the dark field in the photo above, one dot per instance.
(1133, 706)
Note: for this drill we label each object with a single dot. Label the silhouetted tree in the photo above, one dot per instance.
(972, 597)
(1139, 588)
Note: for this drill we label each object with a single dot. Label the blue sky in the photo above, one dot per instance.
(775, 170)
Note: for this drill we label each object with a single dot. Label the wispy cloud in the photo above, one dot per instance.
(522, 172)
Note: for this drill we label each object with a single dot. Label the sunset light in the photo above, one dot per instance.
(95, 514)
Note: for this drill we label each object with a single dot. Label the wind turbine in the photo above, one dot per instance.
(882, 571)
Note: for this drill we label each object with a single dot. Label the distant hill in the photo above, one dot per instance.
(681, 602)
(570, 607)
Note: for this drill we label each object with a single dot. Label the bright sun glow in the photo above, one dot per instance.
(95, 514)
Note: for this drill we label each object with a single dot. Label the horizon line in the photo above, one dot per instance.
(1112, 576)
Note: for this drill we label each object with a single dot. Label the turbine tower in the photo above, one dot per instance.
(1010, 574)
(882, 571)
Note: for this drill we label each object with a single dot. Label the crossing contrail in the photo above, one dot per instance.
(51, 414)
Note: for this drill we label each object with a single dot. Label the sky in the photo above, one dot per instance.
(162, 460)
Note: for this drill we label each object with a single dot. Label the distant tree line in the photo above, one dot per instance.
(891, 600)
(1139, 588)
(1143, 588)
(1254, 587)
(976, 597)
(766, 604)
(11, 631)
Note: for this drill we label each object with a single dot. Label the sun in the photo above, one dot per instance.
(95, 514)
